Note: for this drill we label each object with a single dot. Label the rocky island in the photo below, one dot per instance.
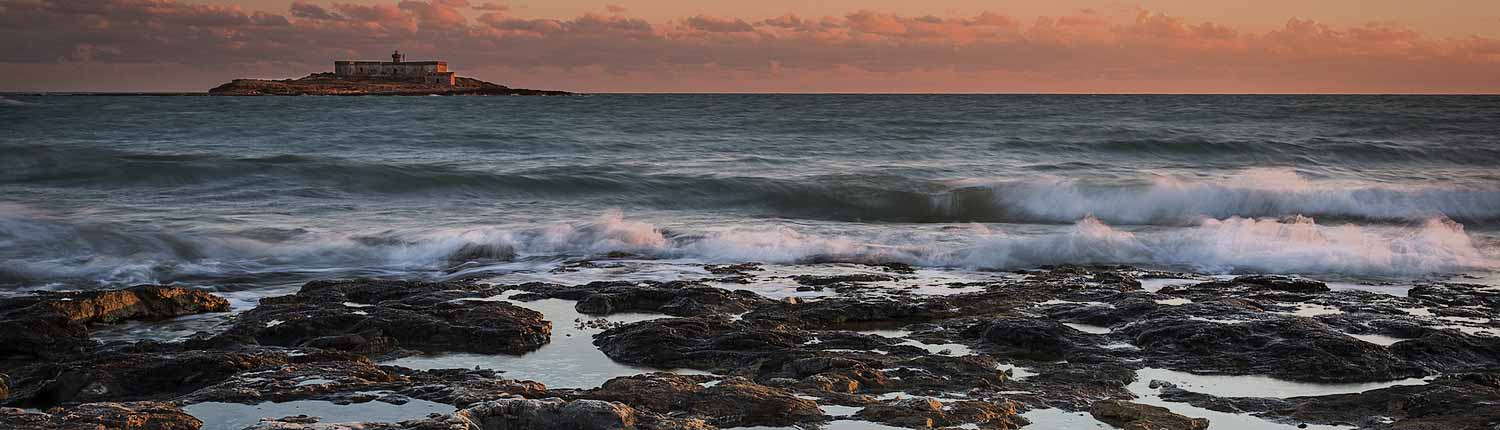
(375, 78)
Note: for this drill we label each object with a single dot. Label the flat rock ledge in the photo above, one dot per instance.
(1072, 338)
(54, 325)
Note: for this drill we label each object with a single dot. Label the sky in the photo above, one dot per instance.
(865, 46)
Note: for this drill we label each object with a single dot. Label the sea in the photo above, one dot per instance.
(266, 193)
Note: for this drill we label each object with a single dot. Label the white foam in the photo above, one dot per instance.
(1295, 245)
(1262, 192)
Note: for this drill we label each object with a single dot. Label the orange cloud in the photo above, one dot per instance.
(859, 51)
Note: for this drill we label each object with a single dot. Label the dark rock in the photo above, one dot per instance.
(855, 278)
(329, 84)
(482, 252)
(730, 402)
(428, 317)
(96, 416)
(129, 376)
(1135, 416)
(1450, 351)
(315, 380)
(1457, 295)
(741, 269)
(1463, 401)
(919, 412)
(697, 343)
(671, 298)
(55, 325)
(1282, 283)
(1298, 349)
(547, 414)
(1031, 338)
(462, 387)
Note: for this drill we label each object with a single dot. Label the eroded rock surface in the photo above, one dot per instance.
(55, 324)
(1136, 416)
(1067, 337)
(96, 416)
(372, 317)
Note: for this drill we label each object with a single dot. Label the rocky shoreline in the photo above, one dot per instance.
(869, 353)
(328, 84)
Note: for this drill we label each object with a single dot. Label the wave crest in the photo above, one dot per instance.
(106, 253)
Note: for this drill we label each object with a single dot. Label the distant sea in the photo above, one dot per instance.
(256, 192)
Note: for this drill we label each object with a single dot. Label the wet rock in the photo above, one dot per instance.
(483, 253)
(1298, 349)
(730, 402)
(1450, 351)
(1457, 295)
(893, 267)
(926, 412)
(1074, 383)
(428, 317)
(1031, 338)
(1463, 401)
(826, 373)
(461, 387)
(919, 412)
(671, 298)
(308, 423)
(741, 269)
(854, 278)
(1135, 416)
(95, 416)
(697, 343)
(1281, 283)
(546, 414)
(318, 380)
(54, 325)
(128, 376)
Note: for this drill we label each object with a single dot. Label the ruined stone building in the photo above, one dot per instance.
(431, 72)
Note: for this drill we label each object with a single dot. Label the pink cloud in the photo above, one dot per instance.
(863, 50)
(718, 25)
(492, 7)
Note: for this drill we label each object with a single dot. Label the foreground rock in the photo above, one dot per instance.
(1449, 402)
(732, 402)
(328, 84)
(144, 374)
(873, 349)
(55, 325)
(1298, 349)
(676, 298)
(525, 414)
(96, 416)
(1135, 416)
(372, 317)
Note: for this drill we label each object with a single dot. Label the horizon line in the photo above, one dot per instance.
(205, 93)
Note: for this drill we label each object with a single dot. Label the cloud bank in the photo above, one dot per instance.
(175, 45)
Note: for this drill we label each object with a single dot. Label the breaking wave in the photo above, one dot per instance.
(1163, 200)
(107, 254)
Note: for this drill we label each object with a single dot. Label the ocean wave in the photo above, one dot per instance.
(863, 197)
(5, 101)
(59, 251)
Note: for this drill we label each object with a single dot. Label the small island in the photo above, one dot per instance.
(397, 77)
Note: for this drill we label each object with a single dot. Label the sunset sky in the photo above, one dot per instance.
(1061, 46)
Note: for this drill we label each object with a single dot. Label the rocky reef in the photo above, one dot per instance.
(1093, 342)
(328, 84)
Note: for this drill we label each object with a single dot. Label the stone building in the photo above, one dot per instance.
(431, 72)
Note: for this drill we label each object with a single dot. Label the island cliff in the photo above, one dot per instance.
(331, 84)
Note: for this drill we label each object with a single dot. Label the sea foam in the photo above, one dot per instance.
(1290, 245)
